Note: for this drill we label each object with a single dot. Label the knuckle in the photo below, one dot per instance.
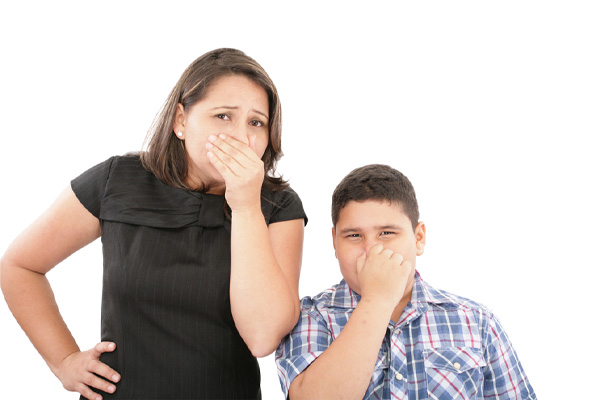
(233, 152)
(87, 393)
(89, 379)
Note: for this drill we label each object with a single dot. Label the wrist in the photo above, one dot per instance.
(247, 210)
(381, 302)
(58, 363)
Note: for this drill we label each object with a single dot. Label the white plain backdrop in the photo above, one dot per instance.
(491, 109)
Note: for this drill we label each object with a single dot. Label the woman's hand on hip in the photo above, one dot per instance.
(241, 168)
(83, 370)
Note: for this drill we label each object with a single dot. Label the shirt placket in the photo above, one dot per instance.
(397, 372)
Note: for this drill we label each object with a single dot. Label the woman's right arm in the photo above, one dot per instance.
(63, 229)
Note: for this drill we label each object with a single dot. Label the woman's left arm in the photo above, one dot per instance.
(265, 270)
(265, 260)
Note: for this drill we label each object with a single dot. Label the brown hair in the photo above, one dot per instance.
(165, 155)
(376, 182)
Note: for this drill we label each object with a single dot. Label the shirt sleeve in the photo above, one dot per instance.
(287, 206)
(504, 377)
(90, 186)
(309, 338)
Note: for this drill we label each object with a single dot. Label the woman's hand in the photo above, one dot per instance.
(240, 167)
(83, 370)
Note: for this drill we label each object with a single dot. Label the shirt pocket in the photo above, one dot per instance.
(454, 373)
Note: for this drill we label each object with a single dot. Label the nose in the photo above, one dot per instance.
(369, 242)
(240, 131)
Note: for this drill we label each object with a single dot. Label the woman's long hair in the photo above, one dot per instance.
(165, 154)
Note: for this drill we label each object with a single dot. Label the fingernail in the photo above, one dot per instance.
(209, 146)
(222, 136)
(210, 155)
(212, 138)
(115, 378)
(112, 388)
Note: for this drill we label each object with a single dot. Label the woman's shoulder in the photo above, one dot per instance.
(119, 183)
(282, 205)
(129, 162)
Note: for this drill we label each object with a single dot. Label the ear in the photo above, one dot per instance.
(179, 122)
(420, 237)
(334, 241)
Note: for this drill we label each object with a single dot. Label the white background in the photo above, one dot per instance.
(491, 109)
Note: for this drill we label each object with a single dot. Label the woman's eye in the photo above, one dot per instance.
(224, 117)
(257, 123)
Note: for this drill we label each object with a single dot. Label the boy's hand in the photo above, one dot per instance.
(382, 275)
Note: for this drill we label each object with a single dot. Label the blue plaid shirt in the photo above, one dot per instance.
(443, 347)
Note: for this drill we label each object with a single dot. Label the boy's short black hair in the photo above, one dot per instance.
(376, 182)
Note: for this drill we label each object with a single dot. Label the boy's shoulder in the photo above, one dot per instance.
(424, 293)
(337, 296)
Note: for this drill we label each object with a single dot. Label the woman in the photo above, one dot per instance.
(202, 248)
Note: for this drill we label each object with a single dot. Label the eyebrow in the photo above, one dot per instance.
(377, 228)
(236, 108)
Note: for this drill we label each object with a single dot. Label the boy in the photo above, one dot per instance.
(382, 332)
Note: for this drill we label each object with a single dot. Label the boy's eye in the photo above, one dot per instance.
(387, 233)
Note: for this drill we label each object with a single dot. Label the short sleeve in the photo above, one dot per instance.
(89, 187)
(307, 341)
(504, 372)
(286, 206)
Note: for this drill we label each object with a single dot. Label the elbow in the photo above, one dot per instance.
(263, 338)
(264, 342)
(260, 353)
(262, 346)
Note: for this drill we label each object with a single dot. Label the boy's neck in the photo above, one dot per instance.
(397, 313)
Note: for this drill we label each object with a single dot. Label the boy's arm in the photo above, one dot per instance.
(345, 369)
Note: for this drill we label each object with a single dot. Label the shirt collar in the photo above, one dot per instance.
(342, 296)
(424, 293)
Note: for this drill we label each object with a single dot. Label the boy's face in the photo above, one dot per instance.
(363, 224)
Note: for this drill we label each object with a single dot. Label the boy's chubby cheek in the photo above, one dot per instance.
(350, 274)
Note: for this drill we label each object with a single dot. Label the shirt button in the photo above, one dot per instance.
(456, 365)
(399, 376)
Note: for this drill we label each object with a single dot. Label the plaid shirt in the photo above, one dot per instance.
(443, 347)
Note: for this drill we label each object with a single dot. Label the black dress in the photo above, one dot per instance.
(165, 295)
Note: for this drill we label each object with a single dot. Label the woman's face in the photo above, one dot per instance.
(233, 105)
